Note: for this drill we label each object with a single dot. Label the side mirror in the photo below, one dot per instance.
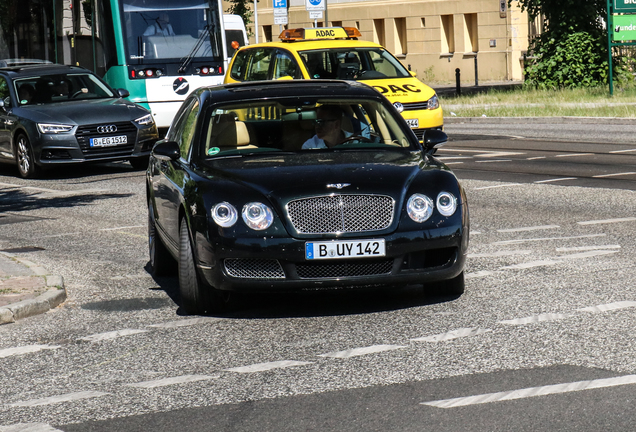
(166, 151)
(434, 139)
(123, 92)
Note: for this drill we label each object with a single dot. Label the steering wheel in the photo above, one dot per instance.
(356, 138)
(77, 93)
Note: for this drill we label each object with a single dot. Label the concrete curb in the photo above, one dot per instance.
(53, 297)
(541, 120)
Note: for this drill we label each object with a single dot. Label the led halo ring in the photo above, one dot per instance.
(224, 214)
(257, 216)
(419, 207)
(446, 203)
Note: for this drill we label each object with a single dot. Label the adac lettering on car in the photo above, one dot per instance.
(391, 88)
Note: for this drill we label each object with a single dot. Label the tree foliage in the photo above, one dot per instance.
(572, 49)
(241, 8)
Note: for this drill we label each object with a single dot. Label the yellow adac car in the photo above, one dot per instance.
(336, 53)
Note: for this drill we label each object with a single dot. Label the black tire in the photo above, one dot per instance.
(455, 286)
(140, 163)
(161, 262)
(24, 158)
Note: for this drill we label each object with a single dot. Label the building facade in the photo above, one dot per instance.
(484, 39)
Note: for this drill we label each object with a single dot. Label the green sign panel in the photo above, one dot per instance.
(624, 28)
(624, 6)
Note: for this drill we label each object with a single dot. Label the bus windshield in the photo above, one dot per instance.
(169, 30)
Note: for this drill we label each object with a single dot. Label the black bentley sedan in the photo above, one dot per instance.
(303, 185)
(52, 115)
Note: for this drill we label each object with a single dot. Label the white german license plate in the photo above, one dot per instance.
(344, 249)
(414, 123)
(109, 141)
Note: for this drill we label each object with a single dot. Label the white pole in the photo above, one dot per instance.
(256, 20)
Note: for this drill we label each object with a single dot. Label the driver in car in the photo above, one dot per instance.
(329, 131)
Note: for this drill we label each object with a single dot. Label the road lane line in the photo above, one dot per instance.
(171, 381)
(587, 248)
(555, 180)
(8, 352)
(355, 352)
(60, 398)
(573, 155)
(453, 163)
(499, 254)
(494, 160)
(607, 221)
(537, 157)
(609, 307)
(531, 264)
(535, 319)
(533, 228)
(262, 367)
(509, 242)
(451, 335)
(614, 175)
(623, 151)
(186, 322)
(533, 392)
(29, 427)
(111, 335)
(498, 186)
(479, 274)
(588, 254)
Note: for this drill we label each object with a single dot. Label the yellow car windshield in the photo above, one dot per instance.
(352, 64)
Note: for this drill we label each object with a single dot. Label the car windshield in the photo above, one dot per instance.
(60, 88)
(353, 64)
(303, 126)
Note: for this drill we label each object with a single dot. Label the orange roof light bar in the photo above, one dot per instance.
(292, 34)
(353, 32)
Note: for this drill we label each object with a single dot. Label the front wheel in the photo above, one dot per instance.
(24, 158)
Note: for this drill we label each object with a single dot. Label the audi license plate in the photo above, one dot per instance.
(414, 123)
(109, 141)
(344, 249)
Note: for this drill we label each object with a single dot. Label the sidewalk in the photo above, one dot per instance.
(26, 289)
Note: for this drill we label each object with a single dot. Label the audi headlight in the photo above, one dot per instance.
(446, 203)
(257, 216)
(54, 128)
(224, 214)
(145, 120)
(433, 103)
(419, 207)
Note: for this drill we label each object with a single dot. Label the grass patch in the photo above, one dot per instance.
(595, 102)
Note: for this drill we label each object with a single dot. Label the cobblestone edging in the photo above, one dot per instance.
(54, 295)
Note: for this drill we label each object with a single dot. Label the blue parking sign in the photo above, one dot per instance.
(280, 4)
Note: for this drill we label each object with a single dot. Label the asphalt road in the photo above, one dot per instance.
(541, 340)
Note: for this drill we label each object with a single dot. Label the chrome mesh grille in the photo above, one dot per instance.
(341, 213)
(248, 268)
(347, 269)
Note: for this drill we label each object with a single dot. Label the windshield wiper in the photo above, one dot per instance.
(185, 61)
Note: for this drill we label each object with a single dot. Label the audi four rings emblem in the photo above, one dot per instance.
(399, 107)
(107, 129)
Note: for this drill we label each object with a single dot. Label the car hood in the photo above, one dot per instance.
(402, 89)
(83, 112)
(284, 177)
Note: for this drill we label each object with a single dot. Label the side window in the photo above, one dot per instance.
(258, 64)
(4, 89)
(285, 66)
(183, 127)
(239, 65)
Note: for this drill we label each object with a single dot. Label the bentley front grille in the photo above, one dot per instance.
(341, 214)
(346, 269)
(248, 268)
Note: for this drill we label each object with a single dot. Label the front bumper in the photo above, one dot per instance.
(280, 265)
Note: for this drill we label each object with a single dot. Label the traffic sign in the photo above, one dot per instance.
(315, 5)
(624, 28)
(280, 8)
(315, 14)
(624, 6)
(280, 19)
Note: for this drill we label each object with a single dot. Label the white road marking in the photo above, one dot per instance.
(614, 175)
(623, 151)
(355, 352)
(58, 399)
(509, 242)
(453, 163)
(535, 319)
(537, 157)
(588, 254)
(111, 335)
(455, 334)
(261, 367)
(500, 254)
(533, 228)
(574, 154)
(609, 307)
(483, 153)
(555, 180)
(16, 186)
(123, 227)
(494, 160)
(479, 274)
(531, 264)
(29, 427)
(171, 381)
(533, 391)
(445, 158)
(607, 221)
(498, 186)
(586, 248)
(8, 352)
(186, 322)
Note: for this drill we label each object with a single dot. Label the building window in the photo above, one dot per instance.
(267, 33)
(423, 22)
(378, 32)
(448, 34)
(471, 40)
(400, 36)
(336, 23)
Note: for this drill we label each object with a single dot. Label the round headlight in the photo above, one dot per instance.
(257, 216)
(224, 214)
(446, 203)
(419, 207)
